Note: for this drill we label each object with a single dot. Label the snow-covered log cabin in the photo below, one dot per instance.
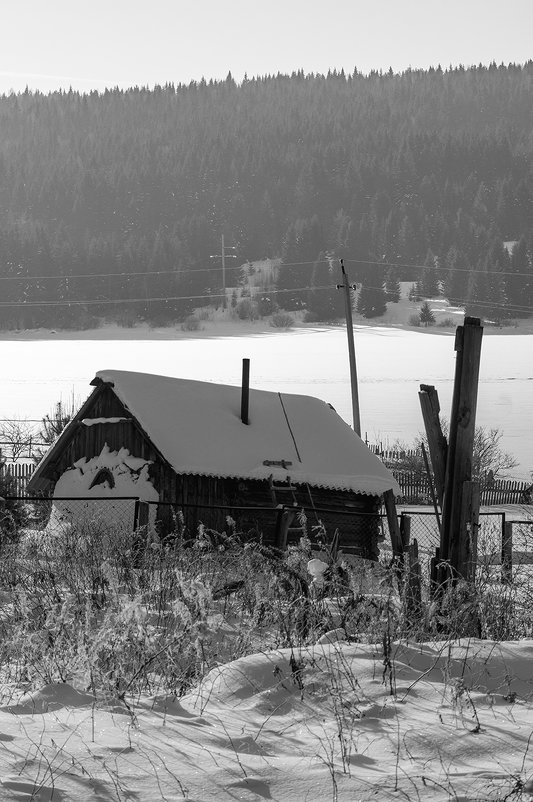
(183, 445)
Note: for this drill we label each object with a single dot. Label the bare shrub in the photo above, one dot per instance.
(246, 310)
(191, 323)
(282, 320)
(446, 323)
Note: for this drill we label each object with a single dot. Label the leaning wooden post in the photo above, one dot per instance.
(392, 520)
(507, 552)
(438, 446)
(430, 484)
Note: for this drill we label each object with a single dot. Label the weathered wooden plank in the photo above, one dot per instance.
(392, 520)
(463, 553)
(438, 446)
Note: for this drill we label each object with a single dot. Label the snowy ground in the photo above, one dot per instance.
(391, 365)
(439, 721)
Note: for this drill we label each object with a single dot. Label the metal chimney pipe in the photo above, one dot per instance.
(245, 392)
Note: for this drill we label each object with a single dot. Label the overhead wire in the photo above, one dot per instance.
(227, 268)
(516, 308)
(164, 299)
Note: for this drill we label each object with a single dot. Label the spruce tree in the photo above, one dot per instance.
(371, 301)
(427, 318)
(457, 277)
(429, 280)
(517, 279)
(324, 301)
(393, 289)
(302, 244)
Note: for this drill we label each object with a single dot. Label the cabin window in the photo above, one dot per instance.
(104, 475)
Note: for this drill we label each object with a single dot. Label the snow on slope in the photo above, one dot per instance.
(449, 720)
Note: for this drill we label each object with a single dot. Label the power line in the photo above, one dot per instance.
(106, 301)
(181, 272)
(144, 274)
(442, 268)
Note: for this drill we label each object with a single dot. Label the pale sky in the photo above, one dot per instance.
(91, 44)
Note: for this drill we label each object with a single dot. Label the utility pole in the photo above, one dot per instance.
(223, 255)
(351, 348)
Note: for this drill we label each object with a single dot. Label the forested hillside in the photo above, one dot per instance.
(109, 202)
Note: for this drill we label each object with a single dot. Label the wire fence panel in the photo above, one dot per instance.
(138, 523)
(491, 537)
(353, 533)
(49, 519)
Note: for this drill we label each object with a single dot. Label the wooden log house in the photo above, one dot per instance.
(211, 451)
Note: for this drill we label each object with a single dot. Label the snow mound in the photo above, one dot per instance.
(276, 680)
(51, 697)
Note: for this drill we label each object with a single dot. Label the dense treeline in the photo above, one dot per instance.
(123, 196)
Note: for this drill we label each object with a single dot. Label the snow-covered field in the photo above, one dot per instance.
(391, 365)
(438, 721)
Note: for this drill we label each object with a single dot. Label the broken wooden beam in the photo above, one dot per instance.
(392, 520)
(437, 443)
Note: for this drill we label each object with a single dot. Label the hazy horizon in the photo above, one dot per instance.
(61, 45)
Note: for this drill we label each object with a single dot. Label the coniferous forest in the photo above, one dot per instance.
(112, 204)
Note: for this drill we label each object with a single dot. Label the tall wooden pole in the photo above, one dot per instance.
(351, 349)
(461, 496)
(223, 253)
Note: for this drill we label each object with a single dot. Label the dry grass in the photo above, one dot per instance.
(127, 617)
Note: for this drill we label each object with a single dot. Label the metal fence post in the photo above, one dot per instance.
(507, 551)
(405, 530)
(414, 580)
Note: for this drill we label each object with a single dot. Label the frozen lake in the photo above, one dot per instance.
(391, 365)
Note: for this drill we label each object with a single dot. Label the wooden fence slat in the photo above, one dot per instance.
(501, 491)
(20, 472)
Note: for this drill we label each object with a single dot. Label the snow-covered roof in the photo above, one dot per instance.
(197, 428)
